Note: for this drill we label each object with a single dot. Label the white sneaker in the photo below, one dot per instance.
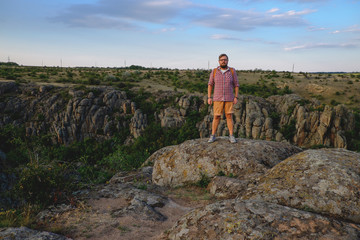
(232, 139)
(212, 139)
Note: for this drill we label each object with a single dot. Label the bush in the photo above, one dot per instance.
(334, 102)
(289, 130)
(42, 184)
(204, 180)
(353, 137)
(118, 160)
(263, 90)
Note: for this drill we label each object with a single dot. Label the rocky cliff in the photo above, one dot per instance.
(287, 118)
(69, 114)
(72, 114)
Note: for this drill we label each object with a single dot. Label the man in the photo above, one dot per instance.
(224, 81)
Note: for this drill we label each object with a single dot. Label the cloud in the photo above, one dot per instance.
(351, 29)
(252, 40)
(293, 13)
(273, 10)
(298, 1)
(321, 45)
(307, 1)
(170, 14)
(171, 29)
(124, 14)
(315, 29)
(240, 20)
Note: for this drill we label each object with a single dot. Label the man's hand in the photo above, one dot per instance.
(235, 100)
(210, 101)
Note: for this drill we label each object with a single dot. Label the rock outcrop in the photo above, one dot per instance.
(194, 159)
(239, 219)
(287, 118)
(28, 234)
(72, 115)
(282, 192)
(68, 114)
(325, 181)
(315, 124)
(175, 116)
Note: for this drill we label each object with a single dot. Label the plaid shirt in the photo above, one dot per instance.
(224, 85)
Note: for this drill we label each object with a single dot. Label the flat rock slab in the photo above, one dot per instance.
(190, 161)
(239, 219)
(23, 233)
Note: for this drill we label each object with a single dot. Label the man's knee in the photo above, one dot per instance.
(228, 115)
(217, 117)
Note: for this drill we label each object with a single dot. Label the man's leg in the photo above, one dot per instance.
(230, 123)
(215, 124)
(218, 110)
(229, 120)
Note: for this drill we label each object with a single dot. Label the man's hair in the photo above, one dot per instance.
(222, 55)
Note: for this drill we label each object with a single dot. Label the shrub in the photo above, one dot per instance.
(275, 116)
(334, 102)
(204, 180)
(118, 160)
(289, 130)
(40, 183)
(353, 137)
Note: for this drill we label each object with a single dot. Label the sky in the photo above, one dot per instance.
(281, 35)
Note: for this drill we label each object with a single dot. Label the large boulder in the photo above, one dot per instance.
(239, 219)
(28, 234)
(325, 181)
(193, 160)
(7, 86)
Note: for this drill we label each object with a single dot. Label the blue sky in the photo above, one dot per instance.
(311, 35)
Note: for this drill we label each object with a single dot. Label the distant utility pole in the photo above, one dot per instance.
(8, 58)
(293, 67)
(61, 62)
(125, 63)
(208, 64)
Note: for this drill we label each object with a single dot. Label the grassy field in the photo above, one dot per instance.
(328, 88)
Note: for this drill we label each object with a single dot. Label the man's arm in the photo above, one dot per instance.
(236, 95)
(209, 101)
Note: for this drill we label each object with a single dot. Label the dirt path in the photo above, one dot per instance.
(100, 214)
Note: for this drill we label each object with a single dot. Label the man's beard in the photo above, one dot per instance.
(224, 66)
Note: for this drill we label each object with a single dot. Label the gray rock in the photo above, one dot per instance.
(140, 209)
(189, 161)
(138, 123)
(225, 187)
(314, 125)
(7, 86)
(238, 219)
(325, 181)
(24, 233)
(84, 115)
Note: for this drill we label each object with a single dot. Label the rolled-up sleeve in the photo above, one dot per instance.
(211, 78)
(236, 81)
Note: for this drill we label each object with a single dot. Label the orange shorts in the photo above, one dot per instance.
(219, 108)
